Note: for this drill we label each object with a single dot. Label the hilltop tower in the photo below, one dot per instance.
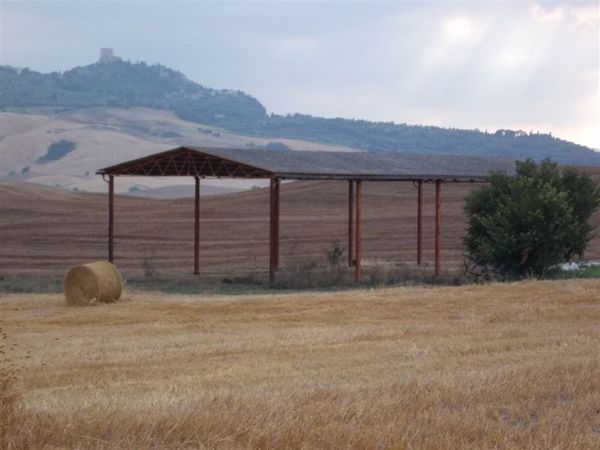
(107, 56)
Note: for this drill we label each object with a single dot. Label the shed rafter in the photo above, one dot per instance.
(183, 161)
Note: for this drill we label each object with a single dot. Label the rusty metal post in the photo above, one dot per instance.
(274, 228)
(438, 229)
(350, 222)
(111, 195)
(197, 227)
(277, 185)
(420, 222)
(358, 246)
(271, 230)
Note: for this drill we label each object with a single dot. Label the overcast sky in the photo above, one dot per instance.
(487, 65)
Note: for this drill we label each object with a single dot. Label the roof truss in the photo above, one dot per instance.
(185, 162)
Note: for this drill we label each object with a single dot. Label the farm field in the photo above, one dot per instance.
(43, 231)
(501, 366)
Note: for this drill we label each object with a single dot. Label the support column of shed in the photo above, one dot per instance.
(358, 245)
(111, 195)
(419, 222)
(274, 228)
(197, 226)
(350, 223)
(438, 227)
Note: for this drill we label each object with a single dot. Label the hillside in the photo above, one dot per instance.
(106, 136)
(121, 84)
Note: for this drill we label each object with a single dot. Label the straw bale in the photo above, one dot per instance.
(94, 282)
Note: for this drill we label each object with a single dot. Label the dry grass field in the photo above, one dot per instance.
(501, 366)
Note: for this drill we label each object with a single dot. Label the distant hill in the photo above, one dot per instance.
(64, 149)
(121, 84)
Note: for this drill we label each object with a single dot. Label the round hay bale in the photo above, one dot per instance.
(98, 281)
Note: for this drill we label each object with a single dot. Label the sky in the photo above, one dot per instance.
(488, 65)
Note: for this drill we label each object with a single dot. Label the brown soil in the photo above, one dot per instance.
(45, 231)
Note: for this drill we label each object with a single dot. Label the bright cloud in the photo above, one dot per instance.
(546, 16)
(512, 57)
(587, 15)
(458, 29)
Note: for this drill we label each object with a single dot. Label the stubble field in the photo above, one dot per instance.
(499, 366)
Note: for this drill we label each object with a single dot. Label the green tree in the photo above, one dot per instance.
(524, 224)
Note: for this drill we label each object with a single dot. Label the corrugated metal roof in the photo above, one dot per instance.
(318, 163)
(331, 165)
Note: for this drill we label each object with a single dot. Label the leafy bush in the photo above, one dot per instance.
(520, 226)
(335, 254)
(279, 146)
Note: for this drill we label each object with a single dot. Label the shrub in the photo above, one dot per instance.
(304, 275)
(57, 150)
(335, 254)
(278, 146)
(522, 225)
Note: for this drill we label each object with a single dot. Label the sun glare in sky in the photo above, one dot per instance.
(459, 29)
